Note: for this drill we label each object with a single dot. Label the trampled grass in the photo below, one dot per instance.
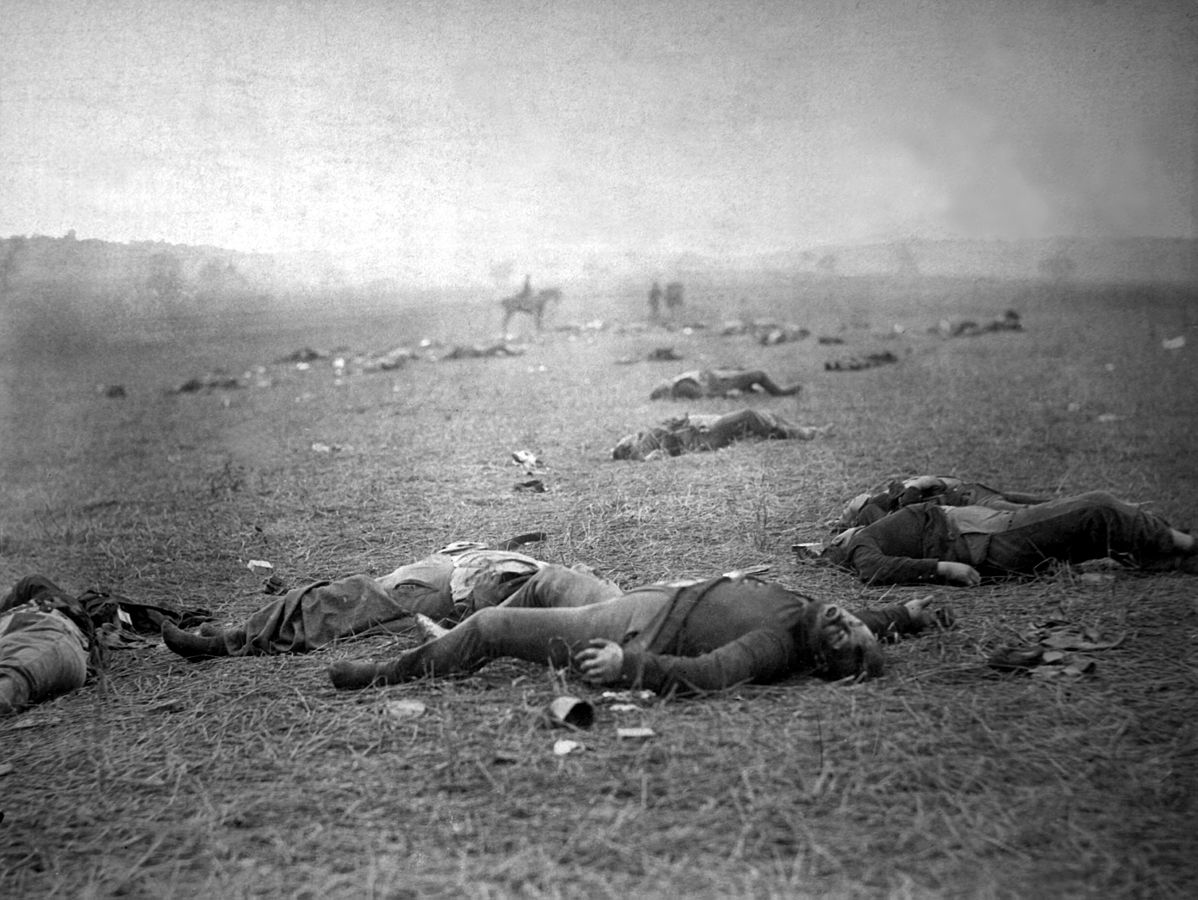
(246, 778)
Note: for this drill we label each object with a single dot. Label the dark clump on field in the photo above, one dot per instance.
(948, 777)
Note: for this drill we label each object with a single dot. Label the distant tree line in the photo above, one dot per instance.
(135, 276)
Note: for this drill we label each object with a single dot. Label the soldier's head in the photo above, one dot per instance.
(838, 644)
(628, 447)
(836, 550)
(663, 391)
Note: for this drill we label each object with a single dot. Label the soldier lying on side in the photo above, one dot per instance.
(931, 543)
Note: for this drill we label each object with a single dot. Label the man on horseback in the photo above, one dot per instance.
(528, 302)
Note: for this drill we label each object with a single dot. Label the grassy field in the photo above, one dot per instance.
(254, 778)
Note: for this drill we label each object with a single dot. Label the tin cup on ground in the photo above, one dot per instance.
(569, 712)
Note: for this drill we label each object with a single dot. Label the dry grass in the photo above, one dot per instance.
(245, 778)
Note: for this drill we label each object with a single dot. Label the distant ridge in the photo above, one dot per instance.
(154, 272)
(1093, 259)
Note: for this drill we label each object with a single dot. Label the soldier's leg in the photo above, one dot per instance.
(42, 655)
(1075, 529)
(540, 635)
(302, 620)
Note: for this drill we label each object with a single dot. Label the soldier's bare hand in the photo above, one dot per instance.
(958, 573)
(923, 616)
(488, 589)
(601, 662)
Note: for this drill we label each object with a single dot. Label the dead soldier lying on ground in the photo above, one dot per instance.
(929, 543)
(943, 489)
(703, 383)
(51, 641)
(694, 434)
(689, 637)
(440, 586)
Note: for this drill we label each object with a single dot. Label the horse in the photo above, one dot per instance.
(530, 303)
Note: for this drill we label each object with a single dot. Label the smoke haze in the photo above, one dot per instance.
(437, 141)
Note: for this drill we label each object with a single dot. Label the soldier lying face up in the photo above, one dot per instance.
(688, 638)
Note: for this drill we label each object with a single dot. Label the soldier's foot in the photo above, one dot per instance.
(354, 674)
(192, 646)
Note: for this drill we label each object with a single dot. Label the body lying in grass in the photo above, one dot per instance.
(865, 509)
(440, 586)
(52, 641)
(693, 434)
(930, 543)
(702, 383)
(690, 638)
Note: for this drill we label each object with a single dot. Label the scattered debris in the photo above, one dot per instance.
(528, 459)
(404, 709)
(663, 354)
(260, 567)
(1012, 659)
(1076, 637)
(635, 734)
(569, 712)
(530, 463)
(1174, 343)
(626, 696)
(566, 747)
(1052, 651)
(747, 572)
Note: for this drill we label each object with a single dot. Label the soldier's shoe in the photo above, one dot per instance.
(1016, 659)
(354, 674)
(192, 646)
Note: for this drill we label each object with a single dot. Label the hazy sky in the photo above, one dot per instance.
(445, 137)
